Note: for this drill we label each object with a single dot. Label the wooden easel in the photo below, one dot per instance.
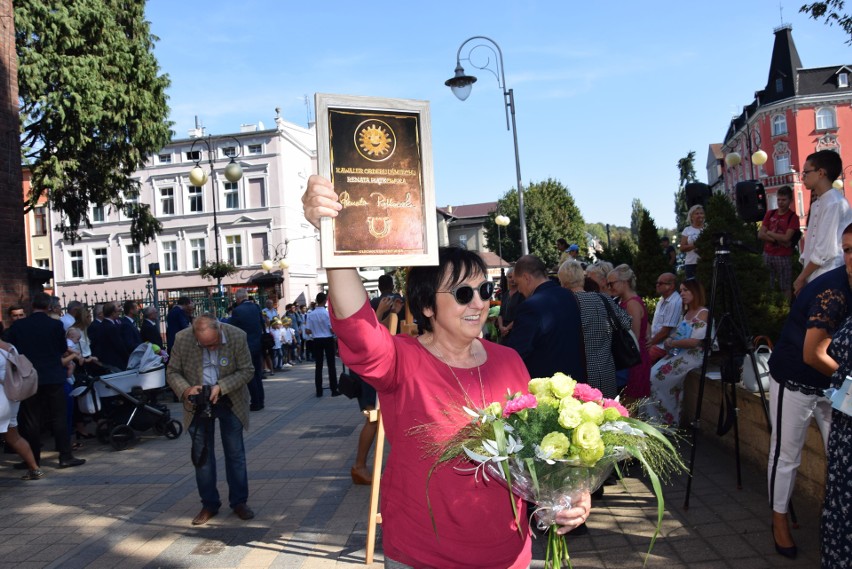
(375, 517)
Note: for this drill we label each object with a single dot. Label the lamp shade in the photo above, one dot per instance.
(760, 157)
(502, 220)
(733, 159)
(197, 176)
(283, 263)
(837, 184)
(267, 265)
(460, 83)
(233, 172)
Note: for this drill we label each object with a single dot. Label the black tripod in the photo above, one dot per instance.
(731, 332)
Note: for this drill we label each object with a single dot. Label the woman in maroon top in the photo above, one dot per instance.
(419, 380)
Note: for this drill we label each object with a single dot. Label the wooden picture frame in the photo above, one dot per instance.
(377, 152)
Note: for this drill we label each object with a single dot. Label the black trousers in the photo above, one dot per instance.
(48, 405)
(325, 346)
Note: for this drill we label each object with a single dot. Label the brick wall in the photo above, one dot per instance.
(13, 276)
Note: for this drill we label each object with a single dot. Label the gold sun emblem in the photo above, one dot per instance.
(375, 140)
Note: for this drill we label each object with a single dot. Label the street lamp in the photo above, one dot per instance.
(501, 221)
(198, 177)
(462, 84)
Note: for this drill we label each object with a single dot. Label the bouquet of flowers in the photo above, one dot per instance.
(558, 440)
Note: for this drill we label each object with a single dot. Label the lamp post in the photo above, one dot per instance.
(462, 84)
(838, 184)
(198, 177)
(500, 221)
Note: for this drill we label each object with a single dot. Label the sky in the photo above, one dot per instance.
(608, 95)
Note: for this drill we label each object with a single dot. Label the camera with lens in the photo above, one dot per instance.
(201, 405)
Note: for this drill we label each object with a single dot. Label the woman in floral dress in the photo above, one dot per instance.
(836, 527)
(685, 349)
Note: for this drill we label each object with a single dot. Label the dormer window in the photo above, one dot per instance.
(779, 85)
(842, 80)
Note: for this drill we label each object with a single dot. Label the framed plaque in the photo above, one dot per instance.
(377, 153)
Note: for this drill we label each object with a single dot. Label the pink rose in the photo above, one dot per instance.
(517, 404)
(622, 410)
(585, 392)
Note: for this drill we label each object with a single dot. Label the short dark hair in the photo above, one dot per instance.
(785, 191)
(385, 283)
(828, 160)
(561, 241)
(109, 309)
(129, 305)
(13, 308)
(531, 265)
(321, 297)
(184, 300)
(41, 301)
(423, 282)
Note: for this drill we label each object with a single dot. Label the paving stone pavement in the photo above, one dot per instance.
(131, 509)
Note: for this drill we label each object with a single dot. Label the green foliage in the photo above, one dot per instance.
(214, 271)
(830, 12)
(551, 213)
(622, 252)
(93, 106)
(649, 262)
(636, 213)
(686, 174)
(764, 309)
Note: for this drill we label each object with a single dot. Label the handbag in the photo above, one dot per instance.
(761, 355)
(21, 381)
(625, 348)
(349, 384)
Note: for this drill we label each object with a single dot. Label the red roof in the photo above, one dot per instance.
(470, 210)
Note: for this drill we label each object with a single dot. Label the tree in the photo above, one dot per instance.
(93, 106)
(551, 213)
(636, 217)
(649, 262)
(830, 12)
(686, 170)
(623, 251)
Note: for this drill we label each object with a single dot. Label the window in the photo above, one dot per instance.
(75, 263)
(229, 151)
(782, 164)
(234, 249)
(164, 158)
(463, 241)
(232, 195)
(40, 220)
(130, 205)
(134, 260)
(193, 156)
(98, 215)
(167, 201)
(257, 192)
(825, 119)
(779, 125)
(43, 263)
(779, 85)
(101, 262)
(842, 80)
(255, 149)
(170, 258)
(196, 200)
(198, 253)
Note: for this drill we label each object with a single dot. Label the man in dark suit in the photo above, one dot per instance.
(150, 327)
(130, 335)
(547, 331)
(178, 318)
(42, 340)
(247, 317)
(95, 331)
(113, 352)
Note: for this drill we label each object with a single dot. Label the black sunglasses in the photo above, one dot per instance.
(464, 293)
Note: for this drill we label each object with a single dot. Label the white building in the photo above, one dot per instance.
(259, 217)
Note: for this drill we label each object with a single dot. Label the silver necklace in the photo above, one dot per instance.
(478, 371)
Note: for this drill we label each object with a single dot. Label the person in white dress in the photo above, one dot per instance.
(9, 421)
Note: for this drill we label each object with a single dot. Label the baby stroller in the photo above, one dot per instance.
(125, 402)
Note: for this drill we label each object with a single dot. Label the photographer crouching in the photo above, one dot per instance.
(209, 370)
